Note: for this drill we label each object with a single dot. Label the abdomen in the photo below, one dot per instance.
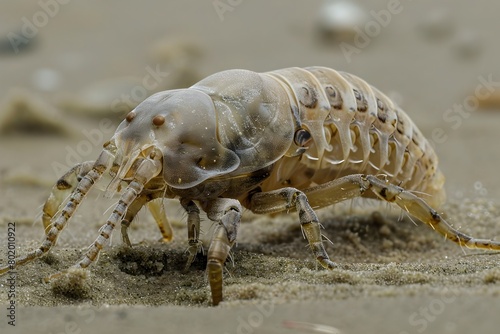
(355, 129)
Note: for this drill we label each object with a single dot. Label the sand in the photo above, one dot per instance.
(394, 276)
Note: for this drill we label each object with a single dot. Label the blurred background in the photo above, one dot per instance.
(66, 65)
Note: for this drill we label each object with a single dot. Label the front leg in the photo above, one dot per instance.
(144, 173)
(157, 210)
(61, 190)
(227, 212)
(193, 226)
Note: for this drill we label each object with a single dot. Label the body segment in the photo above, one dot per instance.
(291, 139)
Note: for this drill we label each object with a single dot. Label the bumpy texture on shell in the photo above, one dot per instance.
(355, 129)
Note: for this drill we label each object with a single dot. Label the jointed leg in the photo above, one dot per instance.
(145, 172)
(349, 187)
(62, 217)
(69, 181)
(293, 199)
(228, 213)
(132, 211)
(62, 189)
(418, 208)
(193, 225)
(158, 211)
(155, 207)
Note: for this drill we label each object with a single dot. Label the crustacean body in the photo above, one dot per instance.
(291, 139)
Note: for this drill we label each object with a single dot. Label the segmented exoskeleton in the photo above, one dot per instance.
(290, 139)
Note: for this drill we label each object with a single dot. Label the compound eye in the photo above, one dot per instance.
(302, 137)
(158, 120)
(130, 116)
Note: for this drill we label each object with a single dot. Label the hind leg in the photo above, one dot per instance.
(418, 208)
(349, 187)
